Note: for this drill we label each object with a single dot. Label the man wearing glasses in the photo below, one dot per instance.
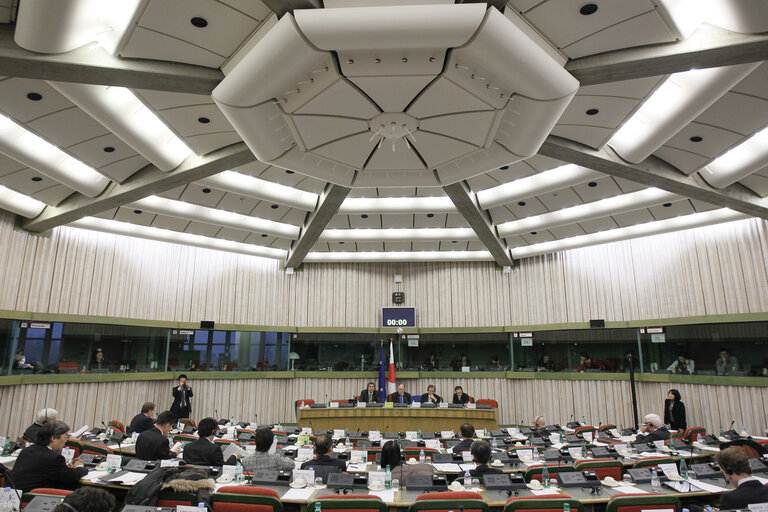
(652, 430)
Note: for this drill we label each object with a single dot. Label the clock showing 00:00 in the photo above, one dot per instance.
(398, 317)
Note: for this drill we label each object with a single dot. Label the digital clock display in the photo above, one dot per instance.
(398, 317)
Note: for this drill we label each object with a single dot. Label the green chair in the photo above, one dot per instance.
(534, 472)
(544, 503)
(602, 467)
(446, 501)
(244, 498)
(343, 503)
(638, 502)
(653, 461)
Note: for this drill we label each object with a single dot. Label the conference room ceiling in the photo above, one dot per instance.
(118, 117)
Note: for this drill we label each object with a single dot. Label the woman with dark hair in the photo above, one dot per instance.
(674, 411)
(390, 456)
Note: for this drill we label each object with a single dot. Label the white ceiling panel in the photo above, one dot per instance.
(357, 221)
(670, 210)
(15, 102)
(397, 220)
(54, 195)
(597, 189)
(631, 218)
(602, 224)
(739, 113)
(67, 127)
(568, 231)
(134, 216)
(561, 199)
(429, 220)
(199, 228)
(234, 235)
(397, 246)
(683, 160)
(237, 203)
(204, 196)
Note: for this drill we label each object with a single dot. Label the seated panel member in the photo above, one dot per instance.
(204, 451)
(370, 394)
(43, 417)
(431, 395)
(400, 396)
(324, 449)
(539, 425)
(481, 454)
(152, 444)
(262, 459)
(467, 431)
(42, 465)
(652, 430)
(459, 396)
(143, 421)
(748, 490)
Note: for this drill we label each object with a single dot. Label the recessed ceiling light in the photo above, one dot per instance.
(206, 191)
(592, 112)
(34, 96)
(203, 120)
(275, 207)
(109, 149)
(592, 184)
(341, 243)
(454, 241)
(667, 205)
(288, 171)
(588, 9)
(264, 235)
(696, 138)
(534, 232)
(521, 203)
(364, 216)
(199, 22)
(37, 178)
(138, 212)
(430, 215)
(504, 167)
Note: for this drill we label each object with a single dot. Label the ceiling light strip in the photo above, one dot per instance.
(381, 205)
(248, 186)
(20, 204)
(174, 237)
(417, 256)
(397, 235)
(188, 211)
(583, 212)
(26, 147)
(640, 230)
(677, 102)
(741, 161)
(122, 113)
(548, 181)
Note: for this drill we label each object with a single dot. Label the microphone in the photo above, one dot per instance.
(731, 426)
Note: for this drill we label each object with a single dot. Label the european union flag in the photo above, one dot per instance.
(382, 373)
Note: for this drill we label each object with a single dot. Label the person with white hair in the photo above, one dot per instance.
(43, 417)
(652, 429)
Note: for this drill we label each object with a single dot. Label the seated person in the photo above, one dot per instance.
(587, 363)
(263, 458)
(20, 362)
(495, 364)
(431, 395)
(87, 499)
(324, 449)
(467, 431)
(143, 421)
(726, 364)
(42, 465)
(652, 430)
(539, 426)
(43, 417)
(481, 455)
(204, 452)
(431, 364)
(370, 394)
(152, 444)
(682, 365)
(545, 364)
(735, 467)
(390, 456)
(459, 396)
(98, 361)
(400, 396)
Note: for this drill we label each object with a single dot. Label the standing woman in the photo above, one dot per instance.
(674, 411)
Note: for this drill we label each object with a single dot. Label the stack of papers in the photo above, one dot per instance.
(447, 467)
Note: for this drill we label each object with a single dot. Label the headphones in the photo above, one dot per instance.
(536, 420)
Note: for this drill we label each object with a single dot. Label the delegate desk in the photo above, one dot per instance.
(397, 419)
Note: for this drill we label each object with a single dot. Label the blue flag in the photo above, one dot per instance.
(382, 373)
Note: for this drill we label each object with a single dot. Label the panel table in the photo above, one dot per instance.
(398, 419)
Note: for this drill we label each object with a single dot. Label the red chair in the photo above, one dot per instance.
(543, 503)
(170, 499)
(117, 425)
(606, 427)
(188, 422)
(444, 501)
(237, 502)
(248, 489)
(585, 428)
(307, 402)
(602, 467)
(342, 401)
(42, 491)
(414, 452)
(652, 461)
(97, 449)
(693, 432)
(640, 502)
(534, 472)
(67, 367)
(344, 503)
(75, 445)
(488, 401)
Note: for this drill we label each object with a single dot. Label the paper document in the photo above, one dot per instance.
(386, 496)
(298, 494)
(447, 467)
(628, 489)
(231, 450)
(94, 476)
(79, 432)
(704, 486)
(468, 466)
(542, 492)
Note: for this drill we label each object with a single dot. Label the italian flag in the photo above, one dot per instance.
(391, 386)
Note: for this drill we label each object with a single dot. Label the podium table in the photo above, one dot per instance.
(396, 419)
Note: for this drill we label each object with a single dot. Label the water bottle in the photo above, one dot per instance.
(683, 469)
(108, 435)
(584, 449)
(583, 420)
(317, 507)
(7, 446)
(388, 478)
(621, 430)
(743, 432)
(420, 432)
(655, 482)
(699, 438)
(365, 455)
(421, 456)
(545, 476)
(494, 444)
(721, 431)
(301, 405)
(535, 454)
(467, 481)
(238, 472)
(201, 506)
(566, 507)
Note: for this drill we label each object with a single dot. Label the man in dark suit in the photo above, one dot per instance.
(370, 394)
(324, 449)
(431, 396)
(401, 397)
(748, 490)
(143, 421)
(204, 451)
(42, 465)
(467, 438)
(459, 396)
(152, 444)
(182, 405)
(481, 454)
(652, 430)
(43, 417)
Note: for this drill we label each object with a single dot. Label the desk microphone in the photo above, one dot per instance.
(731, 426)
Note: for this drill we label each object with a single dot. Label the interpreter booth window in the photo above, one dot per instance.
(457, 352)
(8, 335)
(203, 350)
(576, 350)
(38, 348)
(338, 351)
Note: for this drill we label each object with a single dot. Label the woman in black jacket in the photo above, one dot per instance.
(674, 411)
